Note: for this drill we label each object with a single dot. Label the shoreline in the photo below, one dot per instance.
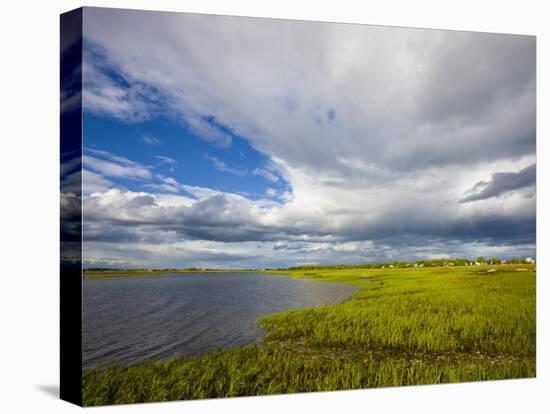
(361, 342)
(98, 274)
(92, 274)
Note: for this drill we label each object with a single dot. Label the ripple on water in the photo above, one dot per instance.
(136, 318)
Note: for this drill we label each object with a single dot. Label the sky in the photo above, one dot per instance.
(231, 142)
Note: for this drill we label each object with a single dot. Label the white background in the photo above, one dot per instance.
(29, 145)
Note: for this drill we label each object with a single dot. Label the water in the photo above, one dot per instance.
(130, 319)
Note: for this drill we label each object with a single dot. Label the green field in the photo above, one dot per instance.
(406, 326)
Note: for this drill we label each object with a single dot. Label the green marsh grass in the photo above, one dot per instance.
(405, 327)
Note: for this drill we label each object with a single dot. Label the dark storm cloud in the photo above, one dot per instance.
(502, 183)
(494, 228)
(475, 73)
(224, 218)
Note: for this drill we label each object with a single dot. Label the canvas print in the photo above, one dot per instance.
(271, 206)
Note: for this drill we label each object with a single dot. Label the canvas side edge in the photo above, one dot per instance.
(71, 206)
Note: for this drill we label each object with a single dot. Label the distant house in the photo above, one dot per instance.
(477, 264)
(528, 260)
(391, 266)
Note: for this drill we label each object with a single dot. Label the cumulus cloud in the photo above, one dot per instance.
(213, 215)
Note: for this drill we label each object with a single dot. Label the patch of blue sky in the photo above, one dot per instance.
(172, 149)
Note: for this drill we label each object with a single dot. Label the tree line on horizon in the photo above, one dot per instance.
(480, 260)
